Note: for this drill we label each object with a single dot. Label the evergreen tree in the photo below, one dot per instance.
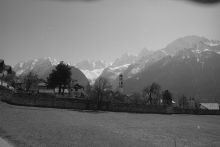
(60, 76)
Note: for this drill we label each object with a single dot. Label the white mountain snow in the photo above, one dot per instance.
(37, 65)
(128, 64)
(92, 68)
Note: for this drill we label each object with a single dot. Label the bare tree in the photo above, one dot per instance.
(10, 79)
(183, 102)
(149, 91)
(136, 98)
(30, 81)
(101, 88)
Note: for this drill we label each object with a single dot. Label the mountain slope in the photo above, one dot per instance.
(186, 66)
(92, 69)
(118, 66)
(187, 74)
(44, 66)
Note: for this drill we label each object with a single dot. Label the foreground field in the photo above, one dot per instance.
(29, 126)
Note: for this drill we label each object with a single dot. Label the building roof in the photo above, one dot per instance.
(42, 84)
(210, 106)
(77, 86)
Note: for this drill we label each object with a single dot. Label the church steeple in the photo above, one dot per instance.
(121, 84)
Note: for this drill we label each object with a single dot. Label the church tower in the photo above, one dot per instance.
(121, 84)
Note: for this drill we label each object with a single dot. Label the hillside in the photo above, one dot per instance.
(189, 65)
(43, 67)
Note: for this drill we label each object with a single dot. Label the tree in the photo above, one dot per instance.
(88, 91)
(2, 64)
(118, 97)
(101, 88)
(136, 98)
(10, 78)
(30, 81)
(183, 102)
(4, 71)
(167, 97)
(149, 91)
(60, 76)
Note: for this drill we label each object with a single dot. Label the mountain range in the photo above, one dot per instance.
(188, 65)
(92, 68)
(44, 66)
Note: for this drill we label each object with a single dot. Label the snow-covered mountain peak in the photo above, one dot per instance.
(91, 64)
(34, 65)
(53, 61)
(124, 59)
(92, 68)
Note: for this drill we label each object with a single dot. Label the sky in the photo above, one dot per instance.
(75, 30)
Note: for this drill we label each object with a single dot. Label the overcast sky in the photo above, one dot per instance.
(74, 30)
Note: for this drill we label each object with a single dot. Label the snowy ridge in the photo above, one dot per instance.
(35, 64)
(119, 67)
(92, 75)
(52, 60)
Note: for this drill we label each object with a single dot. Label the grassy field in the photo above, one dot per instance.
(41, 127)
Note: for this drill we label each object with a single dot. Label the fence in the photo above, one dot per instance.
(47, 100)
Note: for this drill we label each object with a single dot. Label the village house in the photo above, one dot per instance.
(76, 91)
(42, 88)
(209, 106)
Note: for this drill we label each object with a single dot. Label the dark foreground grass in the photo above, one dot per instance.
(30, 126)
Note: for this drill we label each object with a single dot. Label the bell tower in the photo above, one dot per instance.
(121, 84)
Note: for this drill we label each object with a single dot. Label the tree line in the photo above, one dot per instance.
(102, 91)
